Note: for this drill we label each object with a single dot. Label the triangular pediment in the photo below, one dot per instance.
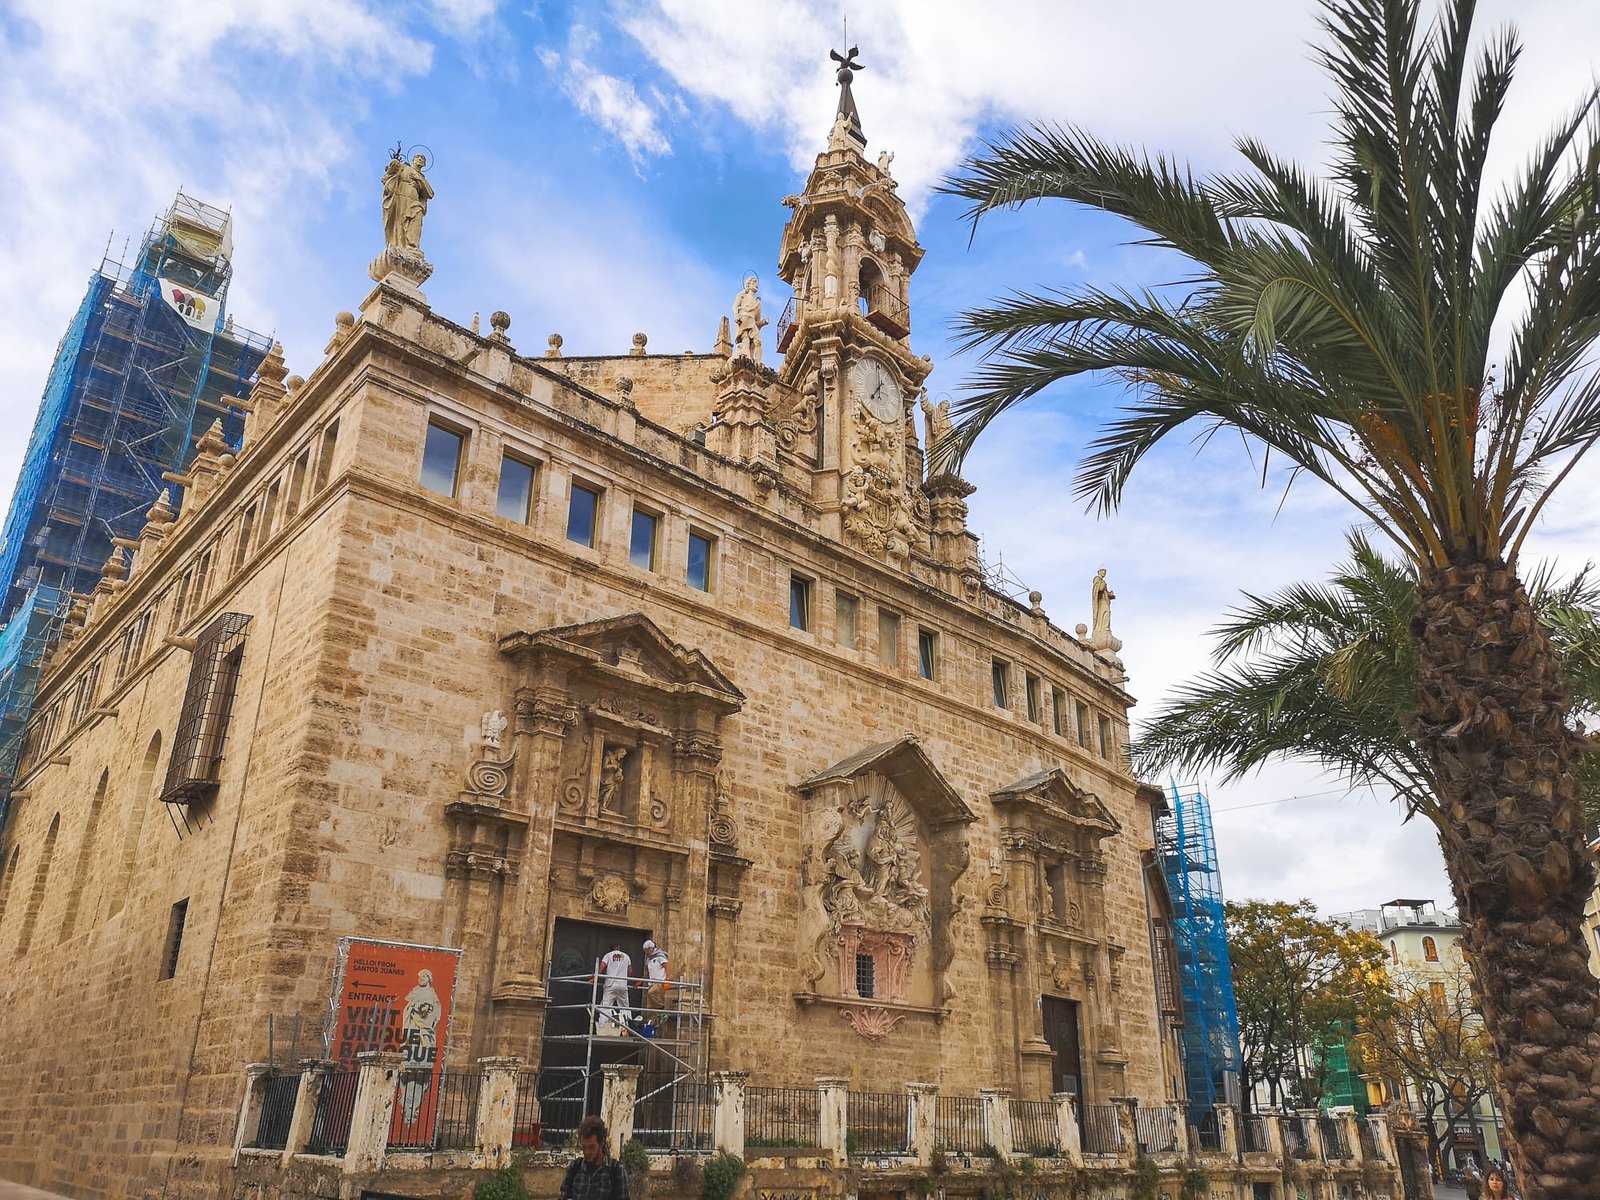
(1052, 796)
(631, 646)
(905, 764)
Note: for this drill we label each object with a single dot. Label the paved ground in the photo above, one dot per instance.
(18, 1191)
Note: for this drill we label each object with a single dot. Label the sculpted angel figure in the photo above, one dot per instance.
(494, 724)
(406, 192)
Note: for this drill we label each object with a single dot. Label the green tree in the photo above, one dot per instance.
(1347, 324)
(1295, 977)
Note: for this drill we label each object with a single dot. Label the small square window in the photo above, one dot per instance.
(799, 602)
(583, 515)
(642, 540)
(441, 459)
(701, 552)
(515, 501)
(174, 943)
(846, 610)
(1058, 711)
(927, 654)
(888, 638)
(1031, 693)
(1000, 675)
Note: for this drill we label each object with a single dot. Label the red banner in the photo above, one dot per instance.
(396, 997)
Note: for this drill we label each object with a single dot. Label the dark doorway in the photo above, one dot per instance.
(570, 1058)
(1061, 1032)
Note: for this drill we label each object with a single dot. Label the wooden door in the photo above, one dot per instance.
(1061, 1032)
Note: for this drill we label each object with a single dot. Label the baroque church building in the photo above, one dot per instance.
(513, 658)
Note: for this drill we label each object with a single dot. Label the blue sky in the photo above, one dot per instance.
(603, 169)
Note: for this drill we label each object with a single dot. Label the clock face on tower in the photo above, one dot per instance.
(877, 389)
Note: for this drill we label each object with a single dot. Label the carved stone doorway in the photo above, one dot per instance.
(1061, 1032)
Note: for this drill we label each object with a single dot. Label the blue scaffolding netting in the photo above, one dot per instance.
(1188, 851)
(148, 362)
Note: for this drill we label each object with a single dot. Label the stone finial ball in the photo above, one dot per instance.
(1035, 598)
(555, 340)
(294, 382)
(344, 320)
(640, 340)
(1082, 630)
(499, 321)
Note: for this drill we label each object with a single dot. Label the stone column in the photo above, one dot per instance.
(255, 1076)
(1272, 1125)
(997, 1121)
(1313, 1132)
(497, 1108)
(922, 1115)
(1068, 1132)
(617, 1099)
(374, 1107)
(1128, 1125)
(1228, 1131)
(1180, 1128)
(1383, 1139)
(314, 1073)
(831, 1119)
(727, 1114)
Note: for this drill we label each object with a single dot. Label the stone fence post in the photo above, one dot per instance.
(617, 1100)
(922, 1114)
(832, 1116)
(1069, 1135)
(1351, 1124)
(497, 1108)
(1128, 1125)
(314, 1074)
(727, 1114)
(1272, 1125)
(1180, 1128)
(1228, 1142)
(1383, 1139)
(1312, 1128)
(997, 1121)
(255, 1086)
(379, 1072)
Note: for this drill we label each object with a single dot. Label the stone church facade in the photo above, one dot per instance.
(520, 654)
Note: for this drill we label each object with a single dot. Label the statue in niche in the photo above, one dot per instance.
(611, 759)
(406, 192)
(748, 321)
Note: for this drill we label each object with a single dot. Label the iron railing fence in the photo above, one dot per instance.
(958, 1124)
(527, 1130)
(1370, 1145)
(434, 1114)
(1156, 1130)
(1297, 1137)
(674, 1114)
(565, 1097)
(1033, 1128)
(781, 1116)
(1253, 1131)
(1334, 1143)
(877, 1122)
(336, 1105)
(278, 1092)
(1207, 1126)
(1102, 1131)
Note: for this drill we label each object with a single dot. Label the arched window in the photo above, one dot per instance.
(1394, 951)
(133, 828)
(1430, 949)
(41, 880)
(873, 292)
(86, 848)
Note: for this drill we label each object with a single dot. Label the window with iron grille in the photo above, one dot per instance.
(866, 975)
(202, 730)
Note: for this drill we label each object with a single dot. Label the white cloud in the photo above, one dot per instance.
(611, 102)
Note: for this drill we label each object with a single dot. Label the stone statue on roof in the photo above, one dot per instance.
(406, 192)
(747, 321)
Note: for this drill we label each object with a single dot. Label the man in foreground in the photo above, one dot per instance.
(595, 1175)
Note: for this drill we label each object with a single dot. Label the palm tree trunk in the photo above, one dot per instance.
(1492, 721)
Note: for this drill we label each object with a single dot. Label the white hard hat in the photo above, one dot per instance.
(649, 945)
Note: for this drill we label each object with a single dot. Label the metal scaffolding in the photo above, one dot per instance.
(1188, 851)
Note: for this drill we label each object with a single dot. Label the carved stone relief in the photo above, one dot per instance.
(609, 893)
(879, 515)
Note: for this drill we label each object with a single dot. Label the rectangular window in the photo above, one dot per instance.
(866, 976)
(241, 548)
(330, 439)
(888, 638)
(799, 602)
(515, 499)
(642, 540)
(441, 459)
(1000, 674)
(701, 549)
(297, 484)
(846, 611)
(174, 943)
(194, 770)
(583, 515)
(1030, 687)
(1083, 724)
(1058, 711)
(1106, 741)
(927, 654)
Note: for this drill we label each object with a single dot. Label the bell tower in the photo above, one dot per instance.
(849, 251)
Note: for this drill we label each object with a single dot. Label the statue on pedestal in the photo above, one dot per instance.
(1100, 598)
(406, 192)
(747, 321)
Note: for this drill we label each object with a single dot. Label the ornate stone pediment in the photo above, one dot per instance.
(1050, 803)
(628, 650)
(906, 765)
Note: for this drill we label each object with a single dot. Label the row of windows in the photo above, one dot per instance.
(1068, 719)
(444, 451)
(267, 511)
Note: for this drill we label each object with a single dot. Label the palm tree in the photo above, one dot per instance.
(1347, 324)
(1328, 674)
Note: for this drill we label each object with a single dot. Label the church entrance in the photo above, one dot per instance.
(578, 1041)
(1061, 1032)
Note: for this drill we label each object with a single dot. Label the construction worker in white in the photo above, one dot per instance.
(613, 969)
(655, 965)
